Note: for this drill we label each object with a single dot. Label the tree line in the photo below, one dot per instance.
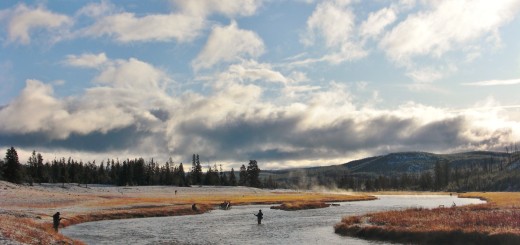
(130, 172)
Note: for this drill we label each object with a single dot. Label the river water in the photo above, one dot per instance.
(238, 225)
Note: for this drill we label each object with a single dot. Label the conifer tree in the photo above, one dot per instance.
(232, 178)
(243, 176)
(253, 174)
(13, 169)
(182, 176)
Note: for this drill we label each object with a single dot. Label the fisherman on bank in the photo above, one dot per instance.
(259, 216)
(56, 221)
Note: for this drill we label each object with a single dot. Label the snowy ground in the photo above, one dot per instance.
(76, 198)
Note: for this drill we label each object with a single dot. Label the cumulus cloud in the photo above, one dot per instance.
(132, 74)
(228, 43)
(334, 23)
(445, 26)
(21, 21)
(132, 91)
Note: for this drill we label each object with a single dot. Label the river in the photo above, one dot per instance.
(238, 225)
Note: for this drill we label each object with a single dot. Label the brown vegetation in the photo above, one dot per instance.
(292, 206)
(29, 231)
(496, 222)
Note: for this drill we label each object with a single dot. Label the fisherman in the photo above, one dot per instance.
(56, 221)
(194, 207)
(259, 216)
(175, 192)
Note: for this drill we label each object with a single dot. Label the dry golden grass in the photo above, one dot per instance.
(495, 222)
(502, 199)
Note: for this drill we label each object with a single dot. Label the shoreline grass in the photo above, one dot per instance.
(498, 222)
(293, 206)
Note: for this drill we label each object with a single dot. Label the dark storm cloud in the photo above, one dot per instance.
(283, 139)
(119, 139)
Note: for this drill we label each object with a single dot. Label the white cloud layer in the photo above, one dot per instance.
(131, 112)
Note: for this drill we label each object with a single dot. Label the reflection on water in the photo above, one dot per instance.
(238, 225)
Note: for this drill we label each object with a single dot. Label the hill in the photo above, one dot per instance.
(485, 170)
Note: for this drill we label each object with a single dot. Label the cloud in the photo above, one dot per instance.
(126, 27)
(227, 44)
(253, 71)
(22, 20)
(447, 25)
(183, 25)
(230, 9)
(235, 120)
(376, 22)
(132, 74)
(86, 60)
(334, 23)
(95, 10)
(494, 82)
(130, 96)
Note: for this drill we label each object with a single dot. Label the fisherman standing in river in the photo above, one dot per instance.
(259, 216)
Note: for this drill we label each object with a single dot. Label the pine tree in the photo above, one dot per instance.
(182, 176)
(243, 176)
(2, 165)
(196, 171)
(13, 169)
(32, 167)
(253, 174)
(232, 178)
(40, 169)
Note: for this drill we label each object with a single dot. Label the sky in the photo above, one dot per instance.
(289, 83)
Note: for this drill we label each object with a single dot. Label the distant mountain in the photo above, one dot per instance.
(417, 162)
(491, 165)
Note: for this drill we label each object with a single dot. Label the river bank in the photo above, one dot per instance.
(25, 210)
(238, 225)
(497, 222)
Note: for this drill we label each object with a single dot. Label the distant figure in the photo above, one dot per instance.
(194, 207)
(56, 221)
(454, 205)
(175, 192)
(259, 216)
